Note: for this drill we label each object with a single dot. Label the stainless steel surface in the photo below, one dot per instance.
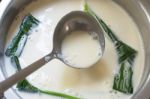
(139, 10)
(74, 21)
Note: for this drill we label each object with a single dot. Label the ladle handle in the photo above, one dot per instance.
(20, 75)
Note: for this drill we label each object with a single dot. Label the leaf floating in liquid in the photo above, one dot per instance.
(15, 62)
(126, 57)
(24, 85)
(18, 42)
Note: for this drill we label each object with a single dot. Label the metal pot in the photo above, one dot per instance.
(139, 10)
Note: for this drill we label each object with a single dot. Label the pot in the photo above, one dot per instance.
(139, 10)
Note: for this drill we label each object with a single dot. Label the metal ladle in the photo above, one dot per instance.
(74, 21)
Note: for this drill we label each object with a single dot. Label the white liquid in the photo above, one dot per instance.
(93, 83)
(80, 49)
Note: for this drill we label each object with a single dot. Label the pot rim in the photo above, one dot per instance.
(145, 86)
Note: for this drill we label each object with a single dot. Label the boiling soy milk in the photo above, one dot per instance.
(92, 83)
(80, 49)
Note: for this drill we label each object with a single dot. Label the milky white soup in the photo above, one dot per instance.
(92, 83)
(81, 49)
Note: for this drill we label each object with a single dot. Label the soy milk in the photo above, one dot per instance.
(92, 83)
(81, 49)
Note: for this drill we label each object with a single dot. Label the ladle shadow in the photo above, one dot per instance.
(76, 77)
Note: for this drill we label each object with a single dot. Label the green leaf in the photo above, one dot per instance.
(59, 94)
(123, 80)
(126, 56)
(101, 23)
(18, 42)
(24, 85)
(15, 62)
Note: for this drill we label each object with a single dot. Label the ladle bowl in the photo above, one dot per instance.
(76, 21)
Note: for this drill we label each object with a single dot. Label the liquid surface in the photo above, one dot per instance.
(80, 49)
(93, 83)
